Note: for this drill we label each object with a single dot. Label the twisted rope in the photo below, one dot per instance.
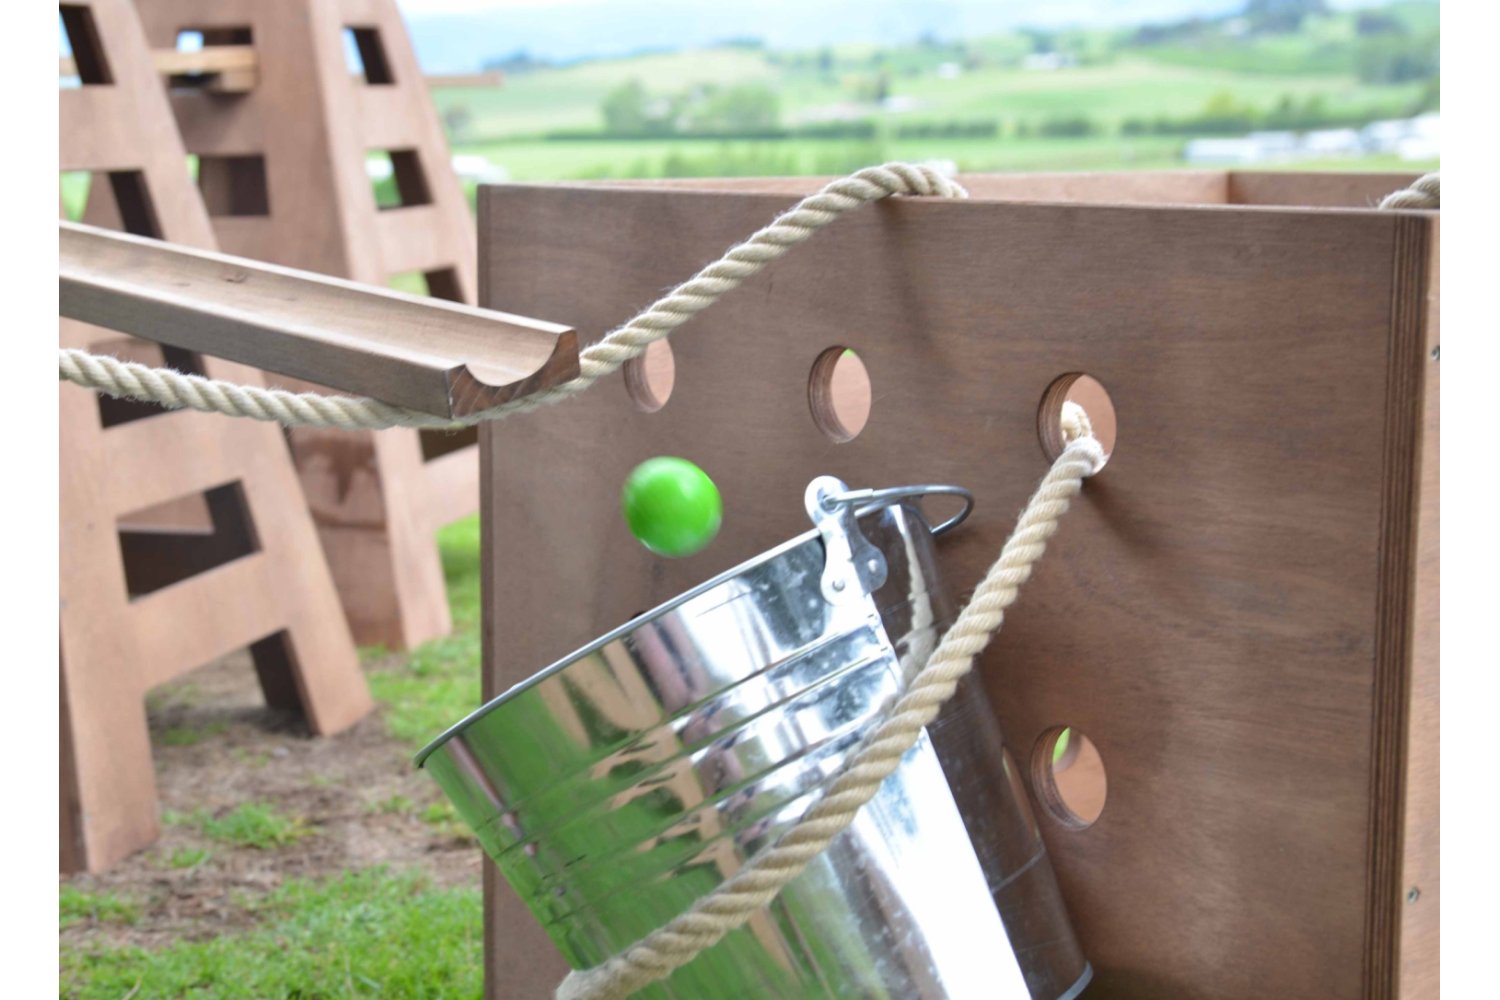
(179, 391)
(1423, 193)
(176, 390)
(753, 887)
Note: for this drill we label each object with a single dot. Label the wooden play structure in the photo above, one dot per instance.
(1235, 632)
(185, 535)
(1241, 613)
(282, 167)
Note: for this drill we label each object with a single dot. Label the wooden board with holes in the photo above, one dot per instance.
(1240, 612)
(282, 167)
(184, 536)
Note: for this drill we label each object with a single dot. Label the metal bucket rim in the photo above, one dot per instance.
(911, 502)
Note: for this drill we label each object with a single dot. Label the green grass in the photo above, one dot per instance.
(258, 825)
(374, 933)
(186, 736)
(1119, 79)
(188, 857)
(439, 682)
(1136, 82)
(396, 805)
(537, 160)
(76, 906)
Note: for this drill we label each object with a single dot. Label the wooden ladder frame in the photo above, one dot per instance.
(223, 493)
(282, 166)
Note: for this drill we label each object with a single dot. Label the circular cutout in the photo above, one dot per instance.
(839, 393)
(1085, 391)
(650, 377)
(1068, 775)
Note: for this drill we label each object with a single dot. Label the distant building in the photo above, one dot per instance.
(1048, 61)
(479, 169)
(1332, 142)
(1408, 138)
(1224, 151)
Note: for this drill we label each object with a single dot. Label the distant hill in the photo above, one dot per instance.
(568, 32)
(590, 28)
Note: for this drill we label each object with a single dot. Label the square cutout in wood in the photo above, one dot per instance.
(232, 78)
(398, 179)
(440, 283)
(91, 67)
(366, 56)
(158, 553)
(234, 185)
(123, 203)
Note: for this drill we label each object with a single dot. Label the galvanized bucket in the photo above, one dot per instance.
(621, 783)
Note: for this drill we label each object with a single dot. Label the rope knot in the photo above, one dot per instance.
(1078, 436)
(1423, 193)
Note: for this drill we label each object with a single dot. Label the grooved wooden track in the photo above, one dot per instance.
(1240, 612)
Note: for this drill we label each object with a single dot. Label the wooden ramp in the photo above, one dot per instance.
(184, 536)
(282, 166)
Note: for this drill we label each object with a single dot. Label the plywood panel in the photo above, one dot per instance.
(1225, 614)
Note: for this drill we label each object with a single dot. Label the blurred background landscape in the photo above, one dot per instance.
(633, 89)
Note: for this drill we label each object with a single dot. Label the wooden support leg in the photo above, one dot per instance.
(107, 784)
(368, 496)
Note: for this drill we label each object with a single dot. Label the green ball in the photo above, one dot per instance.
(671, 505)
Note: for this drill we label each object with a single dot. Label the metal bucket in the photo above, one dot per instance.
(621, 783)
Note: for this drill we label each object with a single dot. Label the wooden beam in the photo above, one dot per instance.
(488, 78)
(238, 63)
(437, 357)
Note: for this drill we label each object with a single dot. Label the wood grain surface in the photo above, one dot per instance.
(1231, 611)
(440, 358)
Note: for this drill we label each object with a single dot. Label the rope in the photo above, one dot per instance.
(754, 886)
(1423, 193)
(177, 390)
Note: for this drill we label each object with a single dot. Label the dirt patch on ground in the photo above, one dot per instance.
(217, 747)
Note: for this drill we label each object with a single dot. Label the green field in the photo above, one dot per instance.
(1123, 101)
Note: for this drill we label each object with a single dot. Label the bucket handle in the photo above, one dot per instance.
(868, 500)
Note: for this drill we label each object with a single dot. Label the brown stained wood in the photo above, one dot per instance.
(313, 123)
(234, 66)
(1323, 190)
(1227, 612)
(441, 358)
(1209, 187)
(1417, 887)
(113, 648)
(1146, 187)
(457, 81)
(217, 69)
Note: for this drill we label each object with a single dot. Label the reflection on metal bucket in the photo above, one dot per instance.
(620, 784)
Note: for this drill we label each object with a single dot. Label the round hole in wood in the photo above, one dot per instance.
(1089, 393)
(1068, 776)
(650, 377)
(839, 393)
